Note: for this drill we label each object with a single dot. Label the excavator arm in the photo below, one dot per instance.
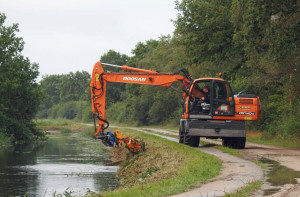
(137, 76)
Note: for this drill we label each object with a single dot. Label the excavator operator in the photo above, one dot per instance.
(201, 100)
(206, 97)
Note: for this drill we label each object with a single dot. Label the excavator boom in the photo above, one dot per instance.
(140, 76)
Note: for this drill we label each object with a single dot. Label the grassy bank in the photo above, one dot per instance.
(165, 168)
(44, 123)
(65, 126)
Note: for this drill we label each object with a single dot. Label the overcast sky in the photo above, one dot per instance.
(65, 36)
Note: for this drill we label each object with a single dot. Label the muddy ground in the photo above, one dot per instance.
(280, 180)
(284, 178)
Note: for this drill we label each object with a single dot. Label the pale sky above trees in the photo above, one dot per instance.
(71, 35)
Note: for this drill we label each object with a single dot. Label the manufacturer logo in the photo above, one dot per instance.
(246, 113)
(134, 79)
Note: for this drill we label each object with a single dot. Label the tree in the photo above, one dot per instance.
(269, 35)
(204, 29)
(74, 86)
(61, 89)
(113, 57)
(20, 94)
(66, 96)
(140, 50)
(50, 86)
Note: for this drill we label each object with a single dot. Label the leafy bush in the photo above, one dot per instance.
(288, 124)
(5, 140)
(72, 110)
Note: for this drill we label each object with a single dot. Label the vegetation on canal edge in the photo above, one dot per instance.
(41, 123)
(165, 168)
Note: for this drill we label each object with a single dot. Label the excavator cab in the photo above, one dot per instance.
(211, 97)
(214, 112)
(223, 102)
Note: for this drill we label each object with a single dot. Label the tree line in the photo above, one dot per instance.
(66, 96)
(254, 43)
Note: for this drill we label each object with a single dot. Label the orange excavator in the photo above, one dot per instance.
(209, 108)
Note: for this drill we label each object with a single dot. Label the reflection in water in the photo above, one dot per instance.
(65, 162)
(279, 175)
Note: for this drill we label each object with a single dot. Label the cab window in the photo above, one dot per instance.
(223, 102)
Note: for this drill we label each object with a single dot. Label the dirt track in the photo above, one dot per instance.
(237, 172)
(288, 157)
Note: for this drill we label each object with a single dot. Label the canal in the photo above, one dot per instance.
(66, 163)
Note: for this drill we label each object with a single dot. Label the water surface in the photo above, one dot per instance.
(65, 163)
(279, 175)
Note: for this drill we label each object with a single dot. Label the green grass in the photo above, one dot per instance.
(230, 151)
(177, 168)
(224, 149)
(247, 190)
(53, 122)
(260, 138)
(171, 127)
(260, 164)
(65, 131)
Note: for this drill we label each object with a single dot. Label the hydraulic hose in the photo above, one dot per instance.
(185, 72)
(107, 123)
